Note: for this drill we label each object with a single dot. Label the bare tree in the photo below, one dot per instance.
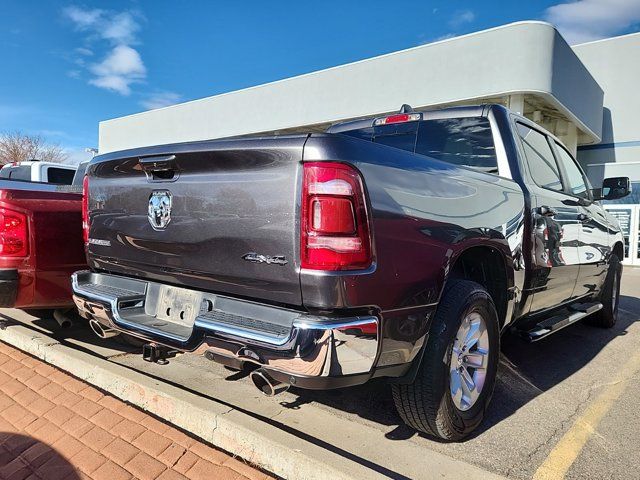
(18, 147)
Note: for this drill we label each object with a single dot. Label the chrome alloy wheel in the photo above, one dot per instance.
(469, 361)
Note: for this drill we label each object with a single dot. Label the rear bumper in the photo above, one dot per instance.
(307, 350)
(9, 282)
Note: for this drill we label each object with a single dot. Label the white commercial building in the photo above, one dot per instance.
(615, 65)
(585, 94)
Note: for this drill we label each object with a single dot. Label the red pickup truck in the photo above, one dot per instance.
(40, 243)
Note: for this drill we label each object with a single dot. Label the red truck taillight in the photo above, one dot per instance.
(85, 209)
(14, 233)
(335, 225)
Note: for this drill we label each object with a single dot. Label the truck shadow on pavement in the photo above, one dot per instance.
(526, 370)
(22, 456)
(80, 334)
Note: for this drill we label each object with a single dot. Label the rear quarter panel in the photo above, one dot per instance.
(425, 214)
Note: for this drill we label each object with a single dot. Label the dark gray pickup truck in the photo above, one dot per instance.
(398, 247)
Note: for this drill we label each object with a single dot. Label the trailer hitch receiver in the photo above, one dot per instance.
(154, 353)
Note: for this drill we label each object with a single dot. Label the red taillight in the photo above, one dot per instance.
(332, 215)
(85, 209)
(335, 225)
(14, 233)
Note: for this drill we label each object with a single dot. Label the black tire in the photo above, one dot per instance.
(609, 297)
(426, 404)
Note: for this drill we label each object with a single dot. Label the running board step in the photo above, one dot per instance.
(564, 318)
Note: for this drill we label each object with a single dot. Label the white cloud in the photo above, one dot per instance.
(83, 18)
(121, 28)
(587, 20)
(446, 36)
(122, 64)
(160, 99)
(457, 20)
(115, 27)
(461, 17)
(120, 68)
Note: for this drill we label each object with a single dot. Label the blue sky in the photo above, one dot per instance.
(67, 65)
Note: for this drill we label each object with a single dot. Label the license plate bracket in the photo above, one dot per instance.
(178, 305)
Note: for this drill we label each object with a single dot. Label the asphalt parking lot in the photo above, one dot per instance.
(563, 407)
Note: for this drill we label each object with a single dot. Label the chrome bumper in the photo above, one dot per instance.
(286, 341)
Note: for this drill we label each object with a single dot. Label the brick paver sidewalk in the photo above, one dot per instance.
(53, 426)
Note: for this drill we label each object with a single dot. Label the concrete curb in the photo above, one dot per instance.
(222, 427)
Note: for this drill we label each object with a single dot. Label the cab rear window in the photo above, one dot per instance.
(466, 141)
(60, 176)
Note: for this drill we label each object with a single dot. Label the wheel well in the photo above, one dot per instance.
(618, 249)
(486, 266)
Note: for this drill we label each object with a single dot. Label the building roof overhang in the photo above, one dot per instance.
(526, 58)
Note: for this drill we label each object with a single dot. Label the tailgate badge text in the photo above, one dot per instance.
(268, 259)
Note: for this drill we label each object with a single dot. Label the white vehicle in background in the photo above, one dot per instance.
(37, 171)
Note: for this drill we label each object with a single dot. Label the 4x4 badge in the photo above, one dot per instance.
(159, 214)
(268, 259)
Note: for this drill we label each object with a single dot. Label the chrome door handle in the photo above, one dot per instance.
(546, 211)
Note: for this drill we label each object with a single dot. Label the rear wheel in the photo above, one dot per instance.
(453, 387)
(610, 296)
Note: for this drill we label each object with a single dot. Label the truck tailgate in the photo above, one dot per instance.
(232, 226)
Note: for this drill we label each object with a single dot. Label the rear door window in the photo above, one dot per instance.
(465, 142)
(542, 164)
